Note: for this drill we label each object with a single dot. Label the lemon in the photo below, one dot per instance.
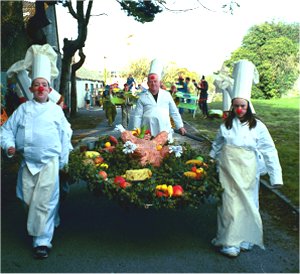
(107, 144)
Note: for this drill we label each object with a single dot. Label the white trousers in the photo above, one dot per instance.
(40, 193)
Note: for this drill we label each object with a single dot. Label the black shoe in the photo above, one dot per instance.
(41, 252)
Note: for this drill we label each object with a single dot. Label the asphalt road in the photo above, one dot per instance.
(97, 236)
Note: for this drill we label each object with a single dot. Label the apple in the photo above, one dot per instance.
(194, 168)
(177, 190)
(160, 193)
(98, 160)
(102, 174)
(124, 184)
(113, 139)
(119, 180)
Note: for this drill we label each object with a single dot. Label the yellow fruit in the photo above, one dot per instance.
(194, 162)
(200, 170)
(170, 190)
(164, 187)
(158, 147)
(107, 144)
(190, 174)
(91, 154)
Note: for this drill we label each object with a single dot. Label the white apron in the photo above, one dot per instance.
(37, 193)
(238, 217)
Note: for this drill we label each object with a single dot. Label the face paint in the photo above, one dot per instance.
(239, 111)
(41, 88)
(152, 77)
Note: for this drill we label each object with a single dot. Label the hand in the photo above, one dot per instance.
(182, 131)
(11, 151)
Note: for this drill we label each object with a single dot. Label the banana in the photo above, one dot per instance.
(170, 190)
(190, 174)
(194, 162)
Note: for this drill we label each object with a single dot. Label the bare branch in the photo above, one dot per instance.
(70, 8)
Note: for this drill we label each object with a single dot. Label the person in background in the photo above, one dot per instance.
(154, 107)
(126, 106)
(108, 106)
(181, 87)
(40, 132)
(197, 88)
(203, 97)
(130, 82)
(240, 142)
(87, 98)
(189, 89)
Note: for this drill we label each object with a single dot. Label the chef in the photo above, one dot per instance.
(40, 132)
(155, 106)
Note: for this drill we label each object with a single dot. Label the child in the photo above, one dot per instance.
(39, 131)
(241, 140)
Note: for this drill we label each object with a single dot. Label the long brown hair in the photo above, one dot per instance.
(249, 118)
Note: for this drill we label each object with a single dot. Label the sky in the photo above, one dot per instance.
(199, 40)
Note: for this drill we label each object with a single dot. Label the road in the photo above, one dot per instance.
(98, 236)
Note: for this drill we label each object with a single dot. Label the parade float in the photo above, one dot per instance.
(141, 171)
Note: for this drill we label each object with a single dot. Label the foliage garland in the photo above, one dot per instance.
(206, 189)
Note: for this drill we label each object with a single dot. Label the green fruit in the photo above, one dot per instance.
(200, 158)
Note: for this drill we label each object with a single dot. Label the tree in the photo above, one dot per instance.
(273, 48)
(74, 68)
(142, 11)
(14, 41)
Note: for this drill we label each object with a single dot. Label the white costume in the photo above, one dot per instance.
(156, 115)
(238, 153)
(41, 133)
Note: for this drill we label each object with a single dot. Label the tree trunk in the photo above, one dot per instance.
(75, 67)
(71, 46)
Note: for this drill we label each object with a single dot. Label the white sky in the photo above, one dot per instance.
(199, 40)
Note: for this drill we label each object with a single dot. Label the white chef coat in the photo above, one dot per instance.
(42, 134)
(257, 139)
(156, 115)
(40, 131)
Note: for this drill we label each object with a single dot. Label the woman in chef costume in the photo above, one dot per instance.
(155, 106)
(240, 142)
(38, 129)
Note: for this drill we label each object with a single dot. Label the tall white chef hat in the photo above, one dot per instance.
(18, 70)
(226, 102)
(40, 61)
(244, 74)
(156, 67)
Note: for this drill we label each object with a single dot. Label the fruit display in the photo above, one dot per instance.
(119, 171)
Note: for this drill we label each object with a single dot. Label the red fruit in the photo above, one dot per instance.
(161, 193)
(98, 160)
(124, 184)
(194, 169)
(113, 139)
(177, 190)
(119, 180)
(109, 149)
(147, 131)
(103, 174)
